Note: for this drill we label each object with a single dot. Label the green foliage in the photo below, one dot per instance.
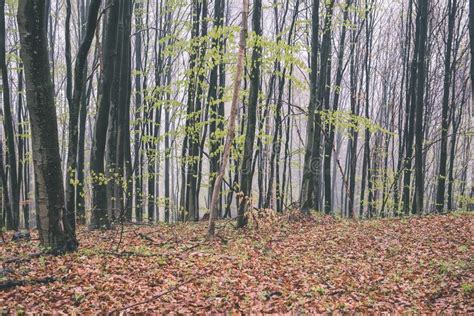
(345, 121)
(467, 288)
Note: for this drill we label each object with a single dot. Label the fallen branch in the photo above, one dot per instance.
(22, 259)
(129, 254)
(142, 235)
(13, 283)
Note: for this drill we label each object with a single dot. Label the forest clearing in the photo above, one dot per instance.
(296, 264)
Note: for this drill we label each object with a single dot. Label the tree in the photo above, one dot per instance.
(277, 132)
(443, 156)
(54, 229)
(214, 98)
(231, 127)
(471, 35)
(14, 219)
(321, 104)
(328, 191)
(75, 90)
(410, 121)
(100, 217)
(422, 19)
(306, 201)
(246, 170)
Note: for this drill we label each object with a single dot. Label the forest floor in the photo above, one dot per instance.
(286, 264)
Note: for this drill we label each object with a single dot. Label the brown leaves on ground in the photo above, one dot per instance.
(417, 265)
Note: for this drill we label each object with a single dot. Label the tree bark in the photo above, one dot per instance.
(246, 166)
(100, 217)
(440, 195)
(306, 201)
(9, 132)
(419, 135)
(54, 229)
(75, 89)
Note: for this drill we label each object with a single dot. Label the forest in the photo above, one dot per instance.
(236, 156)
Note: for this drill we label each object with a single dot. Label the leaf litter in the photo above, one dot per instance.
(297, 265)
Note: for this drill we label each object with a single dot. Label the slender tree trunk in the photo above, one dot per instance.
(286, 163)
(138, 104)
(23, 149)
(124, 159)
(323, 90)
(74, 94)
(167, 149)
(419, 135)
(100, 217)
(354, 134)
(8, 127)
(410, 126)
(7, 215)
(231, 127)
(277, 131)
(440, 195)
(329, 146)
(188, 198)
(471, 37)
(309, 172)
(246, 166)
(213, 100)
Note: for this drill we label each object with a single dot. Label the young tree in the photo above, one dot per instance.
(233, 114)
(54, 229)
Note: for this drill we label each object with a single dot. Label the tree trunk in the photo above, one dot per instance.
(100, 217)
(214, 96)
(54, 229)
(75, 91)
(138, 106)
(246, 166)
(419, 135)
(7, 215)
(323, 94)
(277, 131)
(9, 132)
(440, 195)
(329, 146)
(410, 125)
(309, 171)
